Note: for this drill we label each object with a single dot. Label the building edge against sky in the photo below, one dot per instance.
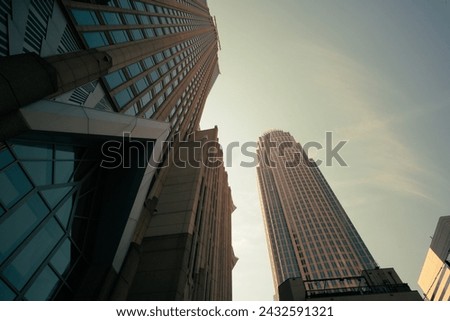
(310, 237)
(434, 279)
(77, 75)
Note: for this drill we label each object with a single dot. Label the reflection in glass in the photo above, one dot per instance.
(18, 225)
(14, 185)
(43, 286)
(19, 271)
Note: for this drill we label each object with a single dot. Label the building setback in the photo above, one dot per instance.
(90, 94)
(434, 279)
(313, 245)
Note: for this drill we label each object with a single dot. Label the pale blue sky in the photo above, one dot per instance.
(375, 73)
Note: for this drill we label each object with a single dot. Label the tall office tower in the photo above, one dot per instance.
(186, 252)
(434, 279)
(310, 237)
(89, 91)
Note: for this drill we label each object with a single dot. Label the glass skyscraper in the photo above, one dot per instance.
(309, 234)
(89, 93)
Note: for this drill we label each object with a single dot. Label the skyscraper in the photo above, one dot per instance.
(90, 91)
(434, 279)
(309, 234)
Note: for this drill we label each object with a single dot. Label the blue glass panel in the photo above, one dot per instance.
(149, 33)
(5, 158)
(146, 98)
(119, 36)
(154, 76)
(125, 4)
(61, 259)
(159, 31)
(95, 39)
(144, 19)
(14, 185)
(84, 17)
(159, 57)
(64, 171)
(6, 294)
(148, 62)
(64, 212)
(155, 20)
(157, 88)
(134, 69)
(123, 97)
(139, 6)
(111, 18)
(64, 152)
(141, 84)
(43, 152)
(39, 171)
(19, 224)
(55, 195)
(115, 79)
(130, 19)
(25, 264)
(43, 286)
(136, 34)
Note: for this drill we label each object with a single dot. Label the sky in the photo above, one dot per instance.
(375, 74)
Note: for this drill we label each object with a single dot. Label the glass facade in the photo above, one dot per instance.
(41, 188)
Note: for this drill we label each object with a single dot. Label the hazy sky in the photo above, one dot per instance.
(375, 74)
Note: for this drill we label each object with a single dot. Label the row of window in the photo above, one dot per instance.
(85, 17)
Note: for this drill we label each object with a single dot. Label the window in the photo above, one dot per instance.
(85, 17)
(136, 34)
(134, 69)
(124, 97)
(95, 39)
(149, 33)
(130, 19)
(148, 63)
(141, 85)
(144, 19)
(119, 36)
(159, 57)
(111, 18)
(115, 79)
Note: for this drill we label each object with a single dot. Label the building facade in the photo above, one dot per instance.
(310, 237)
(186, 251)
(434, 279)
(90, 94)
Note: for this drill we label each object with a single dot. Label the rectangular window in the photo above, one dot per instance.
(95, 39)
(141, 85)
(144, 19)
(124, 97)
(85, 17)
(134, 69)
(115, 79)
(157, 88)
(136, 34)
(130, 19)
(111, 18)
(148, 62)
(159, 57)
(149, 33)
(119, 36)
